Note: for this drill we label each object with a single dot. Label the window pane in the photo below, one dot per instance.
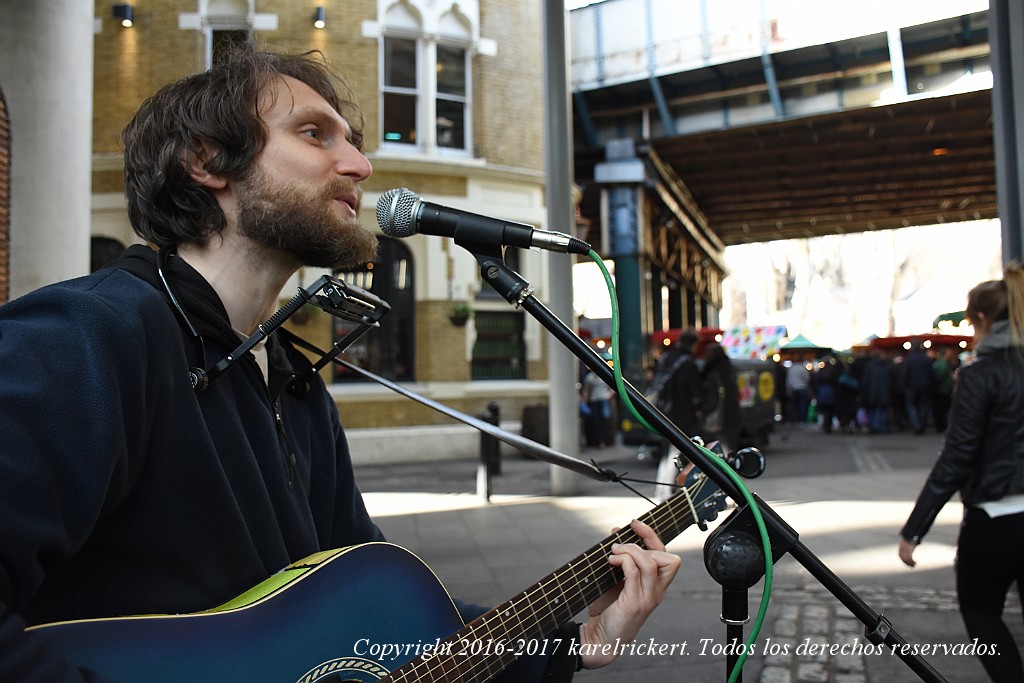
(451, 70)
(402, 274)
(399, 63)
(389, 349)
(499, 351)
(451, 124)
(400, 118)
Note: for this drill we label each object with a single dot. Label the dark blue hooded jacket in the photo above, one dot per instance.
(123, 491)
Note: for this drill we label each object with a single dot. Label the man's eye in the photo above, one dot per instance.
(313, 133)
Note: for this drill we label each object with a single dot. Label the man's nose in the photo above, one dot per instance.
(354, 164)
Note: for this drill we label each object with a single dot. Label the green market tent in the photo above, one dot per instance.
(956, 317)
(801, 344)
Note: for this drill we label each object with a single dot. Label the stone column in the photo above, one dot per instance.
(46, 65)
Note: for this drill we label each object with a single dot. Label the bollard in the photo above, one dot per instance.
(490, 454)
(490, 451)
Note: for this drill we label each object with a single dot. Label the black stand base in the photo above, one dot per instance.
(734, 557)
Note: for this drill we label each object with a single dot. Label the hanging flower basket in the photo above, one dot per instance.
(460, 313)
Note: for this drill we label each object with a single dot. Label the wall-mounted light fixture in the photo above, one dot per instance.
(123, 12)
(320, 17)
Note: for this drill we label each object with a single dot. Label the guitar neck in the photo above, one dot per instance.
(490, 643)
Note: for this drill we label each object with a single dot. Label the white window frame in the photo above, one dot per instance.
(427, 95)
(417, 92)
(466, 99)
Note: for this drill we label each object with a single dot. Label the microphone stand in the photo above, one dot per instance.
(877, 629)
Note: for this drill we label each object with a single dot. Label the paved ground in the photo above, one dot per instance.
(846, 496)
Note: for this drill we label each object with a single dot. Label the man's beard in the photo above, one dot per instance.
(284, 217)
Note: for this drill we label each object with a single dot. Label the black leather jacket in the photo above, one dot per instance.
(983, 453)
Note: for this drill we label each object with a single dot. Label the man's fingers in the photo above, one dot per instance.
(651, 539)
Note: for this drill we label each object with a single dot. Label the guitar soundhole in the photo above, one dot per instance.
(345, 670)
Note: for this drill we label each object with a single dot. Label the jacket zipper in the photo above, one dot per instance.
(289, 451)
(291, 462)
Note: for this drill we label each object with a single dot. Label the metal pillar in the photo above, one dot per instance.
(563, 408)
(624, 248)
(1006, 39)
(899, 67)
(623, 175)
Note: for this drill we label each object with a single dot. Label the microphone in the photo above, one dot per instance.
(401, 213)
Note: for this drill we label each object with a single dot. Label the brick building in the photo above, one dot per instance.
(453, 110)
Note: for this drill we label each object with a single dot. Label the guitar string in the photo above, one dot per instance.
(542, 592)
(544, 589)
(547, 589)
(514, 608)
(555, 587)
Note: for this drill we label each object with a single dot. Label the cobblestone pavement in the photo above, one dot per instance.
(811, 620)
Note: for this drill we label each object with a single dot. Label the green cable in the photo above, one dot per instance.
(620, 386)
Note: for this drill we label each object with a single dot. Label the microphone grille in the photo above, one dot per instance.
(394, 212)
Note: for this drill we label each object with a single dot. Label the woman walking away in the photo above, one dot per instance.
(982, 457)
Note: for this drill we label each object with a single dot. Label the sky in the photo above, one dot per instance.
(844, 288)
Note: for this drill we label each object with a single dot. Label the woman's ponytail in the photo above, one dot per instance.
(1013, 276)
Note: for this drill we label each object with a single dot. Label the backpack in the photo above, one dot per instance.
(658, 393)
(848, 380)
(714, 403)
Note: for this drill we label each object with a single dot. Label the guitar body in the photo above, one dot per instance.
(366, 613)
(330, 623)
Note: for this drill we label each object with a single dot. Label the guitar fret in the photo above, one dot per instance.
(511, 623)
(541, 608)
(551, 601)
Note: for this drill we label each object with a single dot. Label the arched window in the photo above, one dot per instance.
(388, 350)
(226, 25)
(426, 80)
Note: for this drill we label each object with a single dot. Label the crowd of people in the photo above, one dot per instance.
(698, 395)
(874, 391)
(694, 384)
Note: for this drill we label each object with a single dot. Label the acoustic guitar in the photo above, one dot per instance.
(366, 613)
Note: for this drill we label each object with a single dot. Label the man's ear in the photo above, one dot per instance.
(195, 165)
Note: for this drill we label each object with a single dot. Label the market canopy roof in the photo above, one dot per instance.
(955, 318)
(800, 342)
(930, 340)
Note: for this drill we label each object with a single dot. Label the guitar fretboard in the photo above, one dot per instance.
(489, 644)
